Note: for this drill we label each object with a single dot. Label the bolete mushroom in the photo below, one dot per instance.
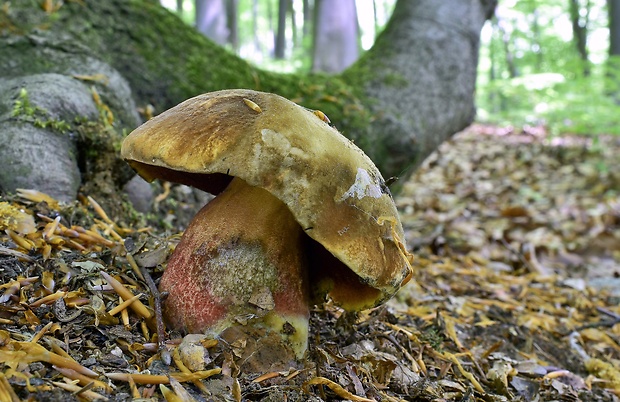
(300, 213)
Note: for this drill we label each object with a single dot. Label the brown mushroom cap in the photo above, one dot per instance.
(332, 188)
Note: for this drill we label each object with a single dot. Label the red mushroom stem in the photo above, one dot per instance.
(240, 260)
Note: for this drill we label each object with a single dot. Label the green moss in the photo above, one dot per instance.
(22, 106)
(434, 337)
(39, 117)
(395, 80)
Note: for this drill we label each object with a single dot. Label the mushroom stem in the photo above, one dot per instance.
(241, 262)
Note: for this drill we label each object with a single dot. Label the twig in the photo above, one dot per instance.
(602, 323)
(159, 321)
(608, 313)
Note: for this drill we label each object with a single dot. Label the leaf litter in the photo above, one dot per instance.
(516, 237)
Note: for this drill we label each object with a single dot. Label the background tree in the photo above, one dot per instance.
(280, 39)
(211, 20)
(411, 91)
(580, 17)
(336, 35)
(550, 67)
(614, 27)
(613, 65)
(232, 18)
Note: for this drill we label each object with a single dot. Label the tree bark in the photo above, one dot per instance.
(411, 91)
(419, 79)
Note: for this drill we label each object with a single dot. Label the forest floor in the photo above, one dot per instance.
(515, 297)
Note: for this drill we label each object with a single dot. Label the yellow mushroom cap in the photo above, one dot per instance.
(332, 188)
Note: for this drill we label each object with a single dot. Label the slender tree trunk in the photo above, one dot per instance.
(307, 10)
(613, 63)
(257, 42)
(614, 27)
(492, 68)
(375, 15)
(537, 43)
(211, 20)
(307, 31)
(232, 11)
(280, 42)
(291, 13)
(507, 41)
(336, 35)
(580, 31)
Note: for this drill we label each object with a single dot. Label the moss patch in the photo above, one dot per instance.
(38, 116)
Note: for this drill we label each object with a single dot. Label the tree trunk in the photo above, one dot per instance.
(613, 63)
(614, 27)
(308, 12)
(280, 43)
(580, 31)
(506, 40)
(211, 20)
(232, 17)
(537, 46)
(291, 13)
(411, 91)
(257, 43)
(419, 79)
(336, 36)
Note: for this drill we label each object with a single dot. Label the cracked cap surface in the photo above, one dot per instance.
(332, 188)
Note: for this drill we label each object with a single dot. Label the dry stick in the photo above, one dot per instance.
(608, 312)
(161, 334)
(404, 351)
(602, 323)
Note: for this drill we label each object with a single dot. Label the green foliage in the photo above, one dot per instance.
(39, 117)
(531, 72)
(433, 335)
(580, 105)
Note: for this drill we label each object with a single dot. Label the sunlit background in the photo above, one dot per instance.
(532, 70)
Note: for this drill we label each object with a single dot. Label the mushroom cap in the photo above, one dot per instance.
(332, 188)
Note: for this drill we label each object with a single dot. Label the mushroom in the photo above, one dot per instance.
(300, 213)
